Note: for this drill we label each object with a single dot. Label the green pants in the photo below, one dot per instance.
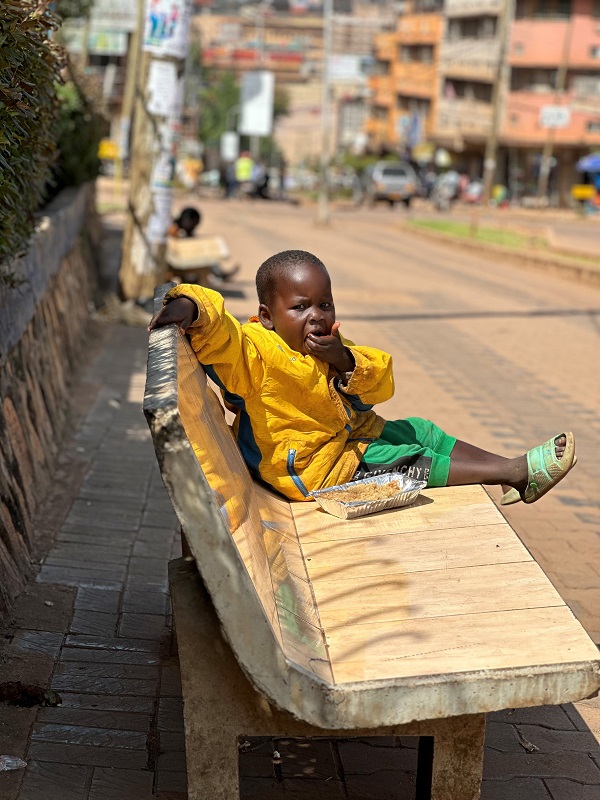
(412, 446)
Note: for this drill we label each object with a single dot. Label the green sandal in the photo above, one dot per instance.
(513, 496)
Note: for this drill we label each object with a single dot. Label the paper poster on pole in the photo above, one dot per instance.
(256, 103)
(160, 219)
(166, 27)
(165, 89)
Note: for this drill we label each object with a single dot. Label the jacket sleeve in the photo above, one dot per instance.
(218, 340)
(372, 380)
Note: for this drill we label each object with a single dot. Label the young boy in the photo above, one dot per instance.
(304, 395)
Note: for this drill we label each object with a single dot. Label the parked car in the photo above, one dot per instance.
(390, 181)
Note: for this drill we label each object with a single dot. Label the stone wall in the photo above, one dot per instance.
(42, 338)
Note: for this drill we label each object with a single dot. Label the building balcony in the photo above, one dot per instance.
(385, 47)
(522, 120)
(470, 59)
(381, 90)
(419, 29)
(471, 8)
(416, 80)
(460, 118)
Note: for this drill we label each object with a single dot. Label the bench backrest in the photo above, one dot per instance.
(260, 522)
(242, 536)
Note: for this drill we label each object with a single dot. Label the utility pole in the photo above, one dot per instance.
(323, 202)
(157, 120)
(131, 77)
(498, 89)
(561, 80)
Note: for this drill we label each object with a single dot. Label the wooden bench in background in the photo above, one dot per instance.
(195, 256)
(291, 623)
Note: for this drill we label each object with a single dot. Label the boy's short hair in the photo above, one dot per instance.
(280, 264)
(189, 218)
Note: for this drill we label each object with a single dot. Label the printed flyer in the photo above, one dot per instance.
(166, 28)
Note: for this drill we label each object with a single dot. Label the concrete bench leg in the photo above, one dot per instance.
(458, 758)
(220, 706)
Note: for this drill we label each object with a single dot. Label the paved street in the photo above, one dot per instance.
(497, 355)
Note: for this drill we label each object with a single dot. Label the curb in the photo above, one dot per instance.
(573, 270)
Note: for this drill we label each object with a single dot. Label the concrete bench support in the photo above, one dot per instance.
(221, 706)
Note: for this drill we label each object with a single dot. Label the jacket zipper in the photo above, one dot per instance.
(294, 475)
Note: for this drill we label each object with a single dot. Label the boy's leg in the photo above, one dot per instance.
(419, 447)
(469, 464)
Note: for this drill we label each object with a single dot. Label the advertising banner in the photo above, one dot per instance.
(256, 102)
(166, 28)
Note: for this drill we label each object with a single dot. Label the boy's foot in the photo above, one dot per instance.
(544, 466)
(512, 496)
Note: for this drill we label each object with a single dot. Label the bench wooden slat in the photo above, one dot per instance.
(435, 593)
(456, 507)
(347, 559)
(458, 645)
(196, 251)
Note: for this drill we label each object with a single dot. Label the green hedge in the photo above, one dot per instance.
(78, 131)
(29, 70)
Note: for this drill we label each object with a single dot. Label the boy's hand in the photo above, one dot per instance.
(181, 311)
(331, 350)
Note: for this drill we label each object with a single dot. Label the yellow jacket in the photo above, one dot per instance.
(297, 426)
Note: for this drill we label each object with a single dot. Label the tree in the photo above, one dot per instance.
(73, 8)
(219, 95)
(30, 68)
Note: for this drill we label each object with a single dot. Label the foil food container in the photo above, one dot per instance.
(410, 488)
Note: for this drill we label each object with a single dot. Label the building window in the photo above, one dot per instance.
(417, 53)
(595, 51)
(514, 119)
(481, 27)
(414, 105)
(593, 126)
(596, 9)
(468, 90)
(533, 80)
(543, 9)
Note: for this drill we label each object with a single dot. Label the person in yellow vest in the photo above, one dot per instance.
(244, 166)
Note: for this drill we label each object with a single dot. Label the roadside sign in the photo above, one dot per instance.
(230, 146)
(554, 117)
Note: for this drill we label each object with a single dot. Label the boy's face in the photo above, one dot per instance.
(303, 304)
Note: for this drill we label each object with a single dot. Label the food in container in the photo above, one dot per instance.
(358, 498)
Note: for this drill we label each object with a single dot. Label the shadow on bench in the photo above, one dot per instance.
(413, 622)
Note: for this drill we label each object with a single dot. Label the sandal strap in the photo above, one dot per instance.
(545, 470)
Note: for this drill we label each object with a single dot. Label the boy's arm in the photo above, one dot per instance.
(372, 379)
(215, 335)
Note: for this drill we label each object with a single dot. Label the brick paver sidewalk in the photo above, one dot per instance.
(96, 628)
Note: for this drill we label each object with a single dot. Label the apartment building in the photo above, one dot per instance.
(469, 56)
(405, 82)
(549, 96)
(554, 56)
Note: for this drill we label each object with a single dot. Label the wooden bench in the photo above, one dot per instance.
(292, 623)
(195, 256)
